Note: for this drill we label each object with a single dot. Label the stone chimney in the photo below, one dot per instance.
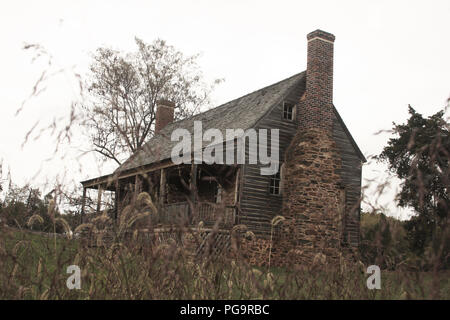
(312, 184)
(164, 114)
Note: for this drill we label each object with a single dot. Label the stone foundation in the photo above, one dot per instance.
(284, 253)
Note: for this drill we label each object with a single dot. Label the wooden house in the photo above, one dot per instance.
(320, 163)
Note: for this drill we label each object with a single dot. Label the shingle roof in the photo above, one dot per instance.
(241, 113)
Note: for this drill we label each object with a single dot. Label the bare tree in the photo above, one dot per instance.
(125, 87)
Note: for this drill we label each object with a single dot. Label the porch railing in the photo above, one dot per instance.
(174, 213)
(209, 213)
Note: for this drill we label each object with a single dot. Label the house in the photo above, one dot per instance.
(317, 184)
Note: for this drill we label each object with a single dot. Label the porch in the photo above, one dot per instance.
(183, 194)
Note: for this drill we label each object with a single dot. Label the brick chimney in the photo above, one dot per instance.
(164, 114)
(319, 82)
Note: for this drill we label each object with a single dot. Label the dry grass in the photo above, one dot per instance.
(127, 266)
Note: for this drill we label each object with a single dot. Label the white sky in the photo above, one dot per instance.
(388, 54)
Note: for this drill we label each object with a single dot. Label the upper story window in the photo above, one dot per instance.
(288, 111)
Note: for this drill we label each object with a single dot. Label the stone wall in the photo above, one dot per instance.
(312, 200)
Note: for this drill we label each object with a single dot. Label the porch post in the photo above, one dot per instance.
(193, 189)
(193, 182)
(162, 187)
(137, 185)
(117, 199)
(99, 198)
(162, 195)
(83, 204)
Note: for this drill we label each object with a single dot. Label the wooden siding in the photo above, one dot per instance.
(351, 177)
(258, 207)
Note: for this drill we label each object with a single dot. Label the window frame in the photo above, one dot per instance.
(293, 111)
(280, 182)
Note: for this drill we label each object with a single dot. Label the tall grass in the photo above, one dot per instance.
(132, 265)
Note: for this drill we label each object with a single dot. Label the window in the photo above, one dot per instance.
(288, 111)
(276, 181)
(274, 186)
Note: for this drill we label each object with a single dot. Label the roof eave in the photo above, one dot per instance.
(352, 140)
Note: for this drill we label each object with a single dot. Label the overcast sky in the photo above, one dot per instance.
(388, 54)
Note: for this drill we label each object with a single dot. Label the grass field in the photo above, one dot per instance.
(33, 266)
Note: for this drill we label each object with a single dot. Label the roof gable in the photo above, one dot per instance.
(349, 135)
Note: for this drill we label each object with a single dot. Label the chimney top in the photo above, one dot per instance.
(165, 103)
(323, 35)
(164, 114)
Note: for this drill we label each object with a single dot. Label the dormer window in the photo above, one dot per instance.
(288, 111)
